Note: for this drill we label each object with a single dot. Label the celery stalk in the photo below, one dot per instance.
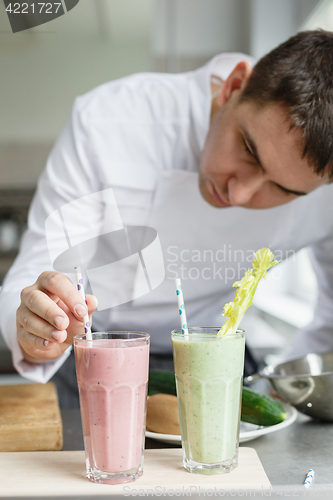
(247, 286)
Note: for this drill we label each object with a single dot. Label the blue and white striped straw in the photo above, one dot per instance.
(309, 478)
(86, 319)
(181, 306)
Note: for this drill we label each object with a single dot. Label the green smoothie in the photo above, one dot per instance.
(209, 373)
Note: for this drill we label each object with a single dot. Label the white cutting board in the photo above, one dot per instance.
(63, 473)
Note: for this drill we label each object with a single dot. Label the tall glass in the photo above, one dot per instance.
(209, 375)
(112, 375)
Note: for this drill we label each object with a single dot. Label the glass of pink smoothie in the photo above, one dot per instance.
(112, 375)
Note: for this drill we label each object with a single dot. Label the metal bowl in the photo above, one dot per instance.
(306, 383)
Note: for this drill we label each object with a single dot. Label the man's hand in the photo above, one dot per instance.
(50, 315)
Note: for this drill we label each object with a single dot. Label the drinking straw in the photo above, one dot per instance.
(309, 478)
(79, 282)
(181, 306)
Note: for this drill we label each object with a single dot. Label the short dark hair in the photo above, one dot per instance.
(298, 75)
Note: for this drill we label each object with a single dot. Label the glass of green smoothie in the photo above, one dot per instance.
(209, 375)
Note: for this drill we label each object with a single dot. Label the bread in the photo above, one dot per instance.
(162, 414)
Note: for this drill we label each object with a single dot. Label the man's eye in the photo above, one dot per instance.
(246, 147)
(284, 191)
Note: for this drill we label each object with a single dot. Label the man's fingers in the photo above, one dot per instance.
(37, 348)
(61, 286)
(30, 342)
(41, 305)
(92, 303)
(38, 326)
(50, 315)
(76, 326)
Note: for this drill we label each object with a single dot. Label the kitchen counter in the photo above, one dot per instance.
(286, 455)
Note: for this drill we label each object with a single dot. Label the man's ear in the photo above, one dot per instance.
(236, 81)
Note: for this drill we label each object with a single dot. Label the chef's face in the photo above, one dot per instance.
(251, 158)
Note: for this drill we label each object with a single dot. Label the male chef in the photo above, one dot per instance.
(220, 162)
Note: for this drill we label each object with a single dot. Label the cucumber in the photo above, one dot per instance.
(261, 409)
(257, 408)
(161, 382)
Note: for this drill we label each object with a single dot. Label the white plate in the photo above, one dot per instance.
(247, 431)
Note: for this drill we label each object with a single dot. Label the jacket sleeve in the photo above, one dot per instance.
(68, 175)
(318, 335)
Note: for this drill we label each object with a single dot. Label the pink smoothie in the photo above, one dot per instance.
(113, 393)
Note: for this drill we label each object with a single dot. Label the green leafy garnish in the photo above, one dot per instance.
(247, 286)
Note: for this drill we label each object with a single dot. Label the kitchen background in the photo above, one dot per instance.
(43, 69)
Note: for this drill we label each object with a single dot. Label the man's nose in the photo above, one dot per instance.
(241, 189)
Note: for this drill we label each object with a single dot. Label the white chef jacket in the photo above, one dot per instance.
(142, 136)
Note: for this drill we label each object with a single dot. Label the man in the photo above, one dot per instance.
(176, 149)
